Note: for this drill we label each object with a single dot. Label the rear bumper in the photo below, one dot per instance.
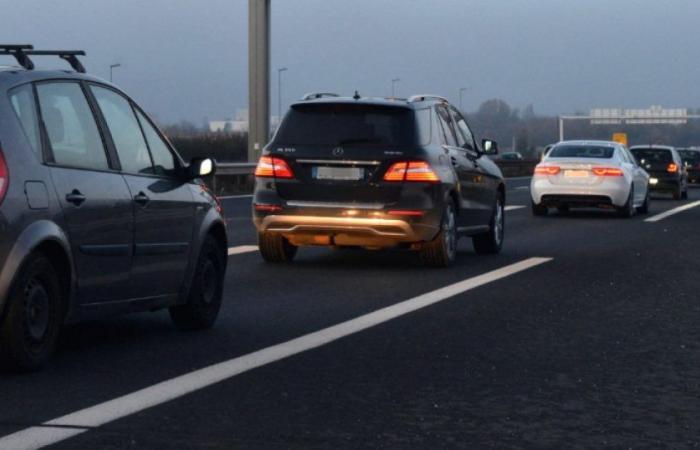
(609, 193)
(374, 229)
(664, 182)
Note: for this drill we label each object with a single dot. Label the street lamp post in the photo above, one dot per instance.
(461, 103)
(111, 70)
(279, 94)
(394, 84)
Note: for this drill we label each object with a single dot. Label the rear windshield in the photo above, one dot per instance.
(652, 155)
(354, 125)
(581, 151)
(690, 155)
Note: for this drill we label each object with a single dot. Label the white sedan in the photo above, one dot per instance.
(597, 174)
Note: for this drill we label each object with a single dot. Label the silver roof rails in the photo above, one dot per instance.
(317, 95)
(422, 98)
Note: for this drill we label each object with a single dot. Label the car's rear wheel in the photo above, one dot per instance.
(538, 210)
(30, 328)
(644, 209)
(491, 242)
(442, 251)
(678, 192)
(627, 210)
(206, 292)
(276, 248)
(684, 194)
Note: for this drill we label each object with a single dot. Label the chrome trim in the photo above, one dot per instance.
(339, 162)
(293, 224)
(307, 204)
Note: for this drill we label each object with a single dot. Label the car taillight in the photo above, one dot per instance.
(417, 171)
(269, 167)
(672, 168)
(4, 177)
(547, 170)
(608, 171)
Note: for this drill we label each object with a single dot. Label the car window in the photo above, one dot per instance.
(22, 99)
(446, 124)
(629, 156)
(163, 159)
(464, 134)
(653, 155)
(424, 121)
(70, 125)
(581, 151)
(125, 130)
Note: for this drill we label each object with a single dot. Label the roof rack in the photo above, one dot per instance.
(22, 53)
(422, 98)
(317, 95)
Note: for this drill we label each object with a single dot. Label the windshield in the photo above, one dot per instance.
(652, 155)
(581, 151)
(356, 125)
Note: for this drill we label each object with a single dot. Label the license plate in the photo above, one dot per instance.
(576, 173)
(339, 173)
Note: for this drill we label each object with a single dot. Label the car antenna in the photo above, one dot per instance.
(357, 95)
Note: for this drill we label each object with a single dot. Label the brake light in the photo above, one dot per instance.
(672, 168)
(415, 171)
(268, 208)
(547, 170)
(269, 167)
(4, 177)
(608, 171)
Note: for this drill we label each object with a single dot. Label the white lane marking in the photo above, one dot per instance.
(514, 207)
(98, 415)
(242, 249)
(229, 197)
(522, 188)
(673, 211)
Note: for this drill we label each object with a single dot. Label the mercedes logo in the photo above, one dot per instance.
(338, 151)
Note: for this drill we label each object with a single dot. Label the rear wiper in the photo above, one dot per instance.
(359, 141)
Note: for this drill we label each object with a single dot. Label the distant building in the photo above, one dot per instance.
(239, 124)
(651, 115)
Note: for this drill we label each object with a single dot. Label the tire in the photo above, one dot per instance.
(684, 194)
(206, 292)
(274, 248)
(32, 322)
(442, 251)
(490, 243)
(678, 192)
(538, 210)
(628, 209)
(644, 209)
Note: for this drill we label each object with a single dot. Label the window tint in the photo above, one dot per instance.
(581, 151)
(445, 123)
(464, 134)
(163, 158)
(652, 155)
(73, 134)
(424, 121)
(126, 133)
(22, 99)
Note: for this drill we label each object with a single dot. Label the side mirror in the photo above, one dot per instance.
(489, 147)
(201, 167)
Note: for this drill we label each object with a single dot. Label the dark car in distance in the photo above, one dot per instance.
(377, 173)
(666, 168)
(99, 215)
(691, 160)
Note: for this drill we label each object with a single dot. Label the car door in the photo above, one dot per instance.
(162, 203)
(464, 168)
(94, 197)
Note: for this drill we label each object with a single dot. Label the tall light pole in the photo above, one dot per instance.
(394, 84)
(461, 103)
(258, 76)
(111, 70)
(279, 94)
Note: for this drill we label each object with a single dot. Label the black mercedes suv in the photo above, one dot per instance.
(377, 173)
(98, 213)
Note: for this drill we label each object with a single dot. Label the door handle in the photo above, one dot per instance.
(76, 197)
(142, 199)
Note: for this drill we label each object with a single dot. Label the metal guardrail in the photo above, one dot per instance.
(235, 178)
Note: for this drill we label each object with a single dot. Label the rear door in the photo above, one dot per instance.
(161, 203)
(94, 197)
(339, 152)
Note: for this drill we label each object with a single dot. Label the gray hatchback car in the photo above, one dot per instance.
(98, 213)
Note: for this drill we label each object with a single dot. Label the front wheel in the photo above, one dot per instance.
(206, 292)
(29, 331)
(491, 242)
(442, 251)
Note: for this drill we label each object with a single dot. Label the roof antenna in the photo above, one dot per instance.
(357, 95)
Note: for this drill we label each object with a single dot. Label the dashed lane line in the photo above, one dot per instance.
(242, 249)
(514, 207)
(673, 211)
(74, 424)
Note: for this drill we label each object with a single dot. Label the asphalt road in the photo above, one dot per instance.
(597, 347)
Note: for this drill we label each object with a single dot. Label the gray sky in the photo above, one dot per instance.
(187, 59)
